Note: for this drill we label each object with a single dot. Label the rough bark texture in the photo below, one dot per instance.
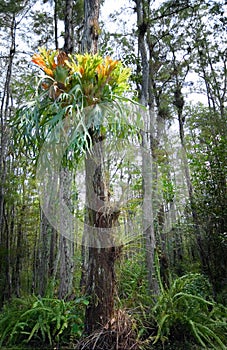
(66, 245)
(66, 238)
(101, 219)
(69, 35)
(91, 26)
(43, 255)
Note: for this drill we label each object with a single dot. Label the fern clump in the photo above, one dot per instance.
(186, 311)
(47, 321)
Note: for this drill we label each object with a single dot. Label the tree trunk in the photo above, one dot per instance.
(19, 255)
(66, 239)
(5, 238)
(91, 26)
(56, 23)
(179, 103)
(147, 172)
(43, 254)
(100, 217)
(69, 30)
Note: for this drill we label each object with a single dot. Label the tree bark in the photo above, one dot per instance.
(43, 255)
(69, 30)
(5, 237)
(100, 217)
(56, 23)
(147, 166)
(91, 26)
(66, 239)
(19, 255)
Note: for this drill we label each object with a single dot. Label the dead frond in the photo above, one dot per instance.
(120, 333)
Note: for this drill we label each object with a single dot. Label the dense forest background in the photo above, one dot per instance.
(165, 283)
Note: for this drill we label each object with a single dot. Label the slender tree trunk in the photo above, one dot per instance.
(150, 239)
(179, 103)
(46, 247)
(56, 23)
(43, 254)
(66, 267)
(66, 239)
(34, 286)
(4, 114)
(69, 30)
(5, 236)
(18, 262)
(147, 166)
(50, 254)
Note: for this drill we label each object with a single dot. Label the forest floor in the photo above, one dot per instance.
(175, 346)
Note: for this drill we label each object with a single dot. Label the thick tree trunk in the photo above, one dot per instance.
(100, 217)
(91, 26)
(102, 252)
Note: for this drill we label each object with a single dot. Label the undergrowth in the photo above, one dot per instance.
(184, 316)
(187, 313)
(41, 321)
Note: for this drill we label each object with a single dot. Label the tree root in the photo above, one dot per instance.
(119, 334)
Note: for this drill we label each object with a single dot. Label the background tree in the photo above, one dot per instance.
(143, 14)
(11, 15)
(176, 60)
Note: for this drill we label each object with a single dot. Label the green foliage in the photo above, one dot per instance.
(208, 167)
(133, 293)
(185, 311)
(132, 288)
(81, 96)
(183, 317)
(45, 32)
(11, 6)
(34, 320)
